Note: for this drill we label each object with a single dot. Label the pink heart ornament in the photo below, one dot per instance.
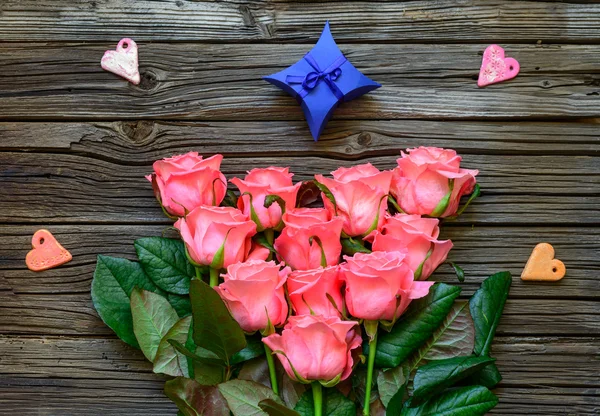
(123, 61)
(495, 67)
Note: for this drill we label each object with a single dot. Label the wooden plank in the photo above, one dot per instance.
(145, 140)
(533, 361)
(50, 398)
(47, 375)
(72, 314)
(236, 21)
(480, 251)
(79, 187)
(223, 82)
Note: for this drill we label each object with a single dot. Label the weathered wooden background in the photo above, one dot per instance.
(75, 142)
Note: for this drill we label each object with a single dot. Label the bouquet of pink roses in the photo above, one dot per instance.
(268, 306)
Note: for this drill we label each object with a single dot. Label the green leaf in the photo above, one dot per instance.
(325, 190)
(201, 355)
(254, 348)
(486, 309)
(230, 199)
(475, 194)
(389, 382)
(261, 239)
(451, 339)
(489, 376)
(464, 401)
(436, 376)
(181, 304)
(350, 247)
(214, 327)
(168, 360)
(276, 409)
(114, 279)
(153, 316)
(334, 404)
(243, 397)
(165, 262)
(193, 399)
(420, 321)
(460, 273)
(396, 403)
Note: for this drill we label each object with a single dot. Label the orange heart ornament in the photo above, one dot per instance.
(542, 266)
(47, 252)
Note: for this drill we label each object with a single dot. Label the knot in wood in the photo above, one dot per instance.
(137, 131)
(148, 80)
(364, 139)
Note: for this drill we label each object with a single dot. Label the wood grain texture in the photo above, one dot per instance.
(79, 187)
(142, 141)
(72, 314)
(49, 366)
(239, 21)
(224, 82)
(480, 251)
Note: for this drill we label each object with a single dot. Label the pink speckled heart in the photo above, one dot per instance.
(123, 61)
(495, 67)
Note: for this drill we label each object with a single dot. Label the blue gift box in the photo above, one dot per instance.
(321, 80)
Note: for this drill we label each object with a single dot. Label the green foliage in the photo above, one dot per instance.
(193, 399)
(272, 408)
(351, 246)
(420, 321)
(460, 273)
(165, 262)
(114, 280)
(389, 382)
(214, 327)
(435, 377)
(334, 404)
(463, 401)
(254, 348)
(243, 397)
(153, 316)
(168, 359)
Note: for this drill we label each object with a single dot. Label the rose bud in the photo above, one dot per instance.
(418, 237)
(254, 294)
(308, 291)
(315, 347)
(182, 183)
(360, 194)
(310, 239)
(380, 285)
(429, 181)
(257, 185)
(216, 236)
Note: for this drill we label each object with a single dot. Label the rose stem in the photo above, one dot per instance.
(371, 364)
(214, 277)
(198, 273)
(317, 397)
(270, 236)
(272, 373)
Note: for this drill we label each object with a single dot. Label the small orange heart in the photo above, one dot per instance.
(47, 252)
(542, 266)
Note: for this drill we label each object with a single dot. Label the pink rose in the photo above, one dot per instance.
(380, 285)
(185, 182)
(418, 237)
(253, 292)
(255, 187)
(308, 291)
(360, 196)
(315, 347)
(306, 231)
(429, 181)
(225, 231)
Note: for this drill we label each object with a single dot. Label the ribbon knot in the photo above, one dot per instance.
(329, 75)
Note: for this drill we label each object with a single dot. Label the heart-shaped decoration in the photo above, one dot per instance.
(123, 61)
(495, 67)
(47, 252)
(542, 266)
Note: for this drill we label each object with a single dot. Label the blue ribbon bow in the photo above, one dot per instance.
(312, 79)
